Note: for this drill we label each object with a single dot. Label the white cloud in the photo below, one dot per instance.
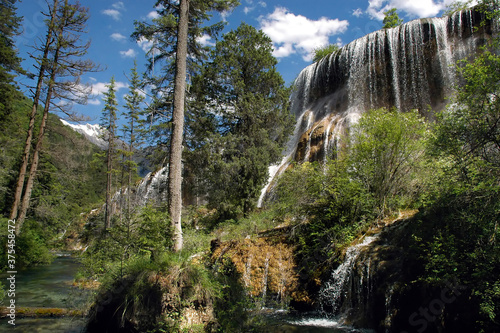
(248, 9)
(94, 102)
(412, 8)
(205, 40)
(130, 53)
(100, 87)
(152, 15)
(292, 33)
(113, 13)
(117, 37)
(118, 5)
(145, 44)
(358, 12)
(225, 14)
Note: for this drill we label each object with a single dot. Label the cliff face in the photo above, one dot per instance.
(407, 67)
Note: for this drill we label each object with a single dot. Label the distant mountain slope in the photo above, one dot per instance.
(93, 133)
(69, 180)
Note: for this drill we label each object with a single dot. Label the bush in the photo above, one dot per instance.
(31, 246)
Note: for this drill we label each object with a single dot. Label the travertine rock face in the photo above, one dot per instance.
(407, 67)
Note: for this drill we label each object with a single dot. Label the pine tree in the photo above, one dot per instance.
(175, 161)
(10, 62)
(175, 32)
(43, 64)
(64, 70)
(133, 108)
(243, 120)
(108, 121)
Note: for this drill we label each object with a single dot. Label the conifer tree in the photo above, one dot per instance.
(10, 63)
(243, 119)
(64, 69)
(133, 108)
(108, 121)
(43, 63)
(175, 33)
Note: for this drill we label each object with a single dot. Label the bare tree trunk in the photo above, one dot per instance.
(36, 153)
(129, 182)
(175, 165)
(107, 211)
(27, 145)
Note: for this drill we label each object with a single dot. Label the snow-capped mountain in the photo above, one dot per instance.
(93, 133)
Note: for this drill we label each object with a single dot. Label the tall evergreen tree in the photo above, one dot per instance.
(161, 34)
(108, 121)
(133, 108)
(175, 161)
(243, 119)
(10, 62)
(175, 32)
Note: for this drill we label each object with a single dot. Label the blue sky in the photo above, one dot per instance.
(295, 26)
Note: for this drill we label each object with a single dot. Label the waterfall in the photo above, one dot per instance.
(337, 288)
(407, 67)
(247, 274)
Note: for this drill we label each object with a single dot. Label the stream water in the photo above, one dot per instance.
(47, 286)
(306, 324)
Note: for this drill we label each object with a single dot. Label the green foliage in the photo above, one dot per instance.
(152, 296)
(456, 237)
(65, 186)
(161, 62)
(456, 240)
(30, 246)
(468, 130)
(457, 6)
(386, 155)
(324, 51)
(231, 308)
(242, 120)
(298, 188)
(10, 62)
(381, 170)
(11, 142)
(143, 237)
(391, 19)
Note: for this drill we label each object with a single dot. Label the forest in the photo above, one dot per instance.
(207, 255)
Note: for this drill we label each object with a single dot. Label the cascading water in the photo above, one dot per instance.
(337, 288)
(151, 189)
(407, 67)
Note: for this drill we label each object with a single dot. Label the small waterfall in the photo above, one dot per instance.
(336, 290)
(264, 280)
(247, 274)
(153, 187)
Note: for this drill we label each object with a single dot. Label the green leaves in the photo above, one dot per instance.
(391, 19)
(321, 52)
(386, 154)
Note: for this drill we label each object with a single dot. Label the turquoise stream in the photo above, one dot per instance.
(47, 286)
